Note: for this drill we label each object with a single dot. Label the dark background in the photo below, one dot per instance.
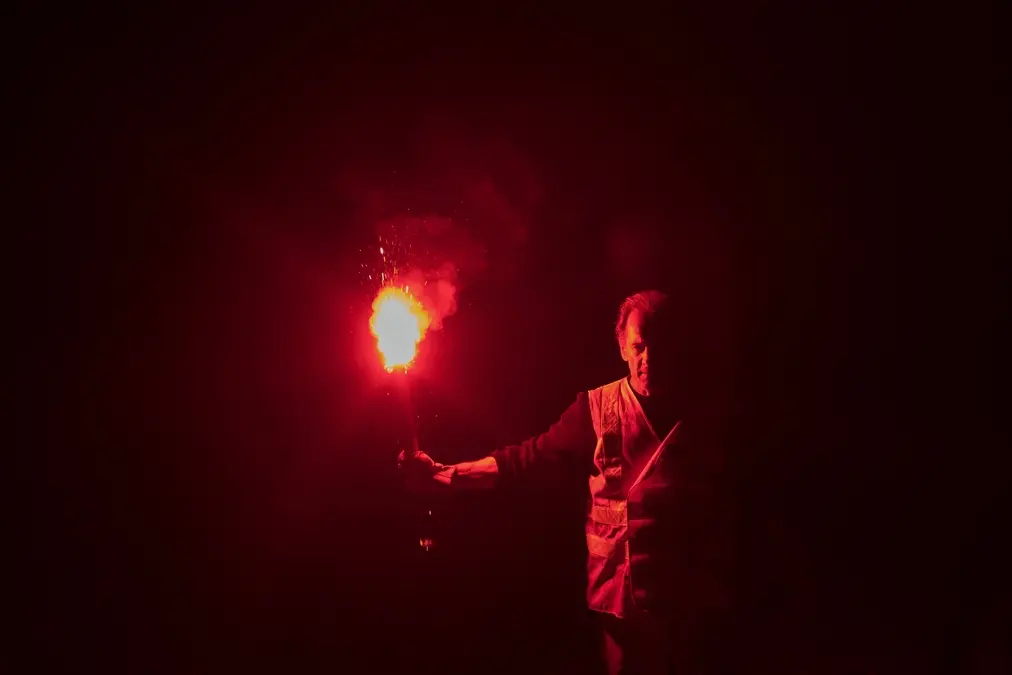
(213, 482)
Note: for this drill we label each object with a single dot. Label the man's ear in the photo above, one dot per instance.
(622, 352)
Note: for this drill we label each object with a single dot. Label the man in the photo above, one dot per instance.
(656, 531)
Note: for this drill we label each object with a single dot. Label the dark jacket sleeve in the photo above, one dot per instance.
(571, 437)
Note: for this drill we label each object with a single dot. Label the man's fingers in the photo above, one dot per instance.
(417, 460)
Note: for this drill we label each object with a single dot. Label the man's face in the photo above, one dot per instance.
(648, 348)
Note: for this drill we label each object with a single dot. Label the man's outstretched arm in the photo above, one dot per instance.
(469, 475)
(571, 436)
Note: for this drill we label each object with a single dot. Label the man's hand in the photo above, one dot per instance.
(422, 473)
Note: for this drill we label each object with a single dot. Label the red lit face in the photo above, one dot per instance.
(646, 348)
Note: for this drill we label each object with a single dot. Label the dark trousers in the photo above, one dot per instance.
(650, 644)
(637, 645)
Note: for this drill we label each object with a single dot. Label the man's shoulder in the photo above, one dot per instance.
(605, 396)
(602, 399)
(606, 388)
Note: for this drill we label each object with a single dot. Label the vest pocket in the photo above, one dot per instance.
(607, 515)
(604, 539)
(600, 546)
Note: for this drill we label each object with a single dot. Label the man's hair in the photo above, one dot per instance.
(649, 302)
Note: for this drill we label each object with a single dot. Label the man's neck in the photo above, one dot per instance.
(642, 393)
(637, 388)
(661, 410)
(654, 397)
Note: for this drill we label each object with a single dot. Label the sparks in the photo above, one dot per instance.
(399, 323)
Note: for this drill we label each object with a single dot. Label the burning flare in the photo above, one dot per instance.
(399, 323)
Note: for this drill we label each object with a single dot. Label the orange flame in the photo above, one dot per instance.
(399, 323)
